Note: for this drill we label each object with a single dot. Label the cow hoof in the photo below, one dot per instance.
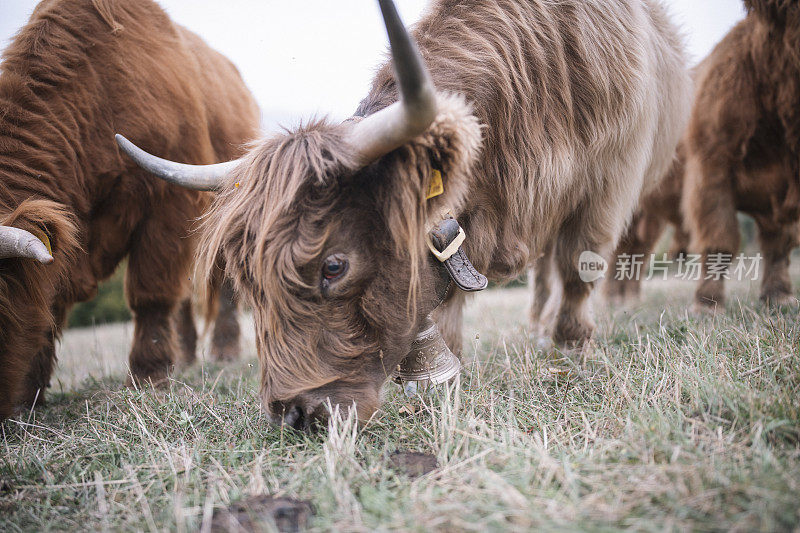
(780, 299)
(703, 309)
(572, 334)
(543, 343)
(225, 353)
(157, 381)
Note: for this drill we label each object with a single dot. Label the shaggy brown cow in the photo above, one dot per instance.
(71, 208)
(657, 210)
(744, 149)
(545, 120)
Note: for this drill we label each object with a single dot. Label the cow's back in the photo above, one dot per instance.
(111, 66)
(233, 113)
(583, 103)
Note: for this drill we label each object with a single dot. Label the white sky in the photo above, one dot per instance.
(307, 58)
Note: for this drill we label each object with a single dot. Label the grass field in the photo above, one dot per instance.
(666, 423)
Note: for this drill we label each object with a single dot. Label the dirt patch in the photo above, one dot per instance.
(260, 512)
(413, 464)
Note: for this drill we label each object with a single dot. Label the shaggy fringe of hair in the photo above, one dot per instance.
(265, 228)
(274, 218)
(24, 280)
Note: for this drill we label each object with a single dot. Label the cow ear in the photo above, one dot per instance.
(428, 175)
(453, 144)
(50, 222)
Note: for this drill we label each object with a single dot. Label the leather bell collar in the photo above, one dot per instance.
(445, 240)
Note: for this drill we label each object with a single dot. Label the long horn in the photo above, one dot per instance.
(197, 177)
(390, 128)
(15, 242)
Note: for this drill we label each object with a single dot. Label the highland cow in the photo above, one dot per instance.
(532, 120)
(743, 150)
(71, 208)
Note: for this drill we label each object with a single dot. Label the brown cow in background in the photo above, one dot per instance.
(71, 208)
(743, 149)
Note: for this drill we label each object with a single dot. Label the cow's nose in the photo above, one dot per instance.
(295, 415)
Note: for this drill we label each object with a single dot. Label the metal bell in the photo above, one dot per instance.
(429, 361)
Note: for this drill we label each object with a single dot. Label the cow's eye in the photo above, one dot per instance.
(333, 267)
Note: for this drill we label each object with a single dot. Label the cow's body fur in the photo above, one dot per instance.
(658, 210)
(744, 147)
(574, 107)
(576, 152)
(74, 75)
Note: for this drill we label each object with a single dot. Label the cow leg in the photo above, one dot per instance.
(541, 284)
(187, 332)
(711, 212)
(679, 248)
(777, 242)
(638, 243)
(225, 338)
(616, 290)
(155, 285)
(574, 325)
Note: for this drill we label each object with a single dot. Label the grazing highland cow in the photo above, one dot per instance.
(743, 149)
(71, 207)
(533, 120)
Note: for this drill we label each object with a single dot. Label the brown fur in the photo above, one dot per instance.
(744, 145)
(74, 75)
(581, 104)
(657, 211)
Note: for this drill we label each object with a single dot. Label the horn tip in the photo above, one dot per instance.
(38, 252)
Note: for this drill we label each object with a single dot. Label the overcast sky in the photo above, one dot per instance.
(307, 58)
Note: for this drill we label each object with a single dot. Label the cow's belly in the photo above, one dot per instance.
(760, 186)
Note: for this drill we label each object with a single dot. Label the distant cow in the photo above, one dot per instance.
(535, 122)
(744, 149)
(71, 207)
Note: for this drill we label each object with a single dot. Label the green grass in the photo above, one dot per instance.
(108, 306)
(665, 423)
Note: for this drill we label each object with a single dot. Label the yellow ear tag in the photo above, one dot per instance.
(42, 236)
(436, 187)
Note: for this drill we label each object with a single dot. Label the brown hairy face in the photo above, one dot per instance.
(332, 259)
(356, 324)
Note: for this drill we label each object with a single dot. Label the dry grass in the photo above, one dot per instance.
(665, 423)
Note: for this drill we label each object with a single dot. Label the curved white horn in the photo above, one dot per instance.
(390, 128)
(197, 177)
(15, 242)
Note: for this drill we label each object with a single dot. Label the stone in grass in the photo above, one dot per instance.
(260, 513)
(413, 464)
